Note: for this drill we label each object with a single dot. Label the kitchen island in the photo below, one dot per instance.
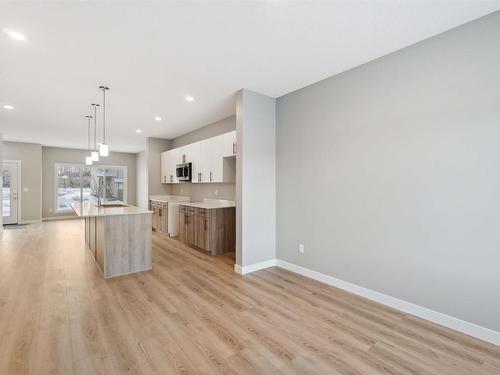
(118, 236)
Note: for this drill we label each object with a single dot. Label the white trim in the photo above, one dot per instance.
(19, 184)
(242, 270)
(470, 329)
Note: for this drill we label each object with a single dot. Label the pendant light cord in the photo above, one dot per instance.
(104, 116)
(95, 125)
(88, 118)
(104, 88)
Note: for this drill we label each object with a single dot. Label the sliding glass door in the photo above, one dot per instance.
(76, 182)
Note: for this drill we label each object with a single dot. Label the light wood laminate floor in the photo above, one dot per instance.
(193, 315)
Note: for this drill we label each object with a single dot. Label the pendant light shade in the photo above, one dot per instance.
(94, 155)
(103, 147)
(88, 160)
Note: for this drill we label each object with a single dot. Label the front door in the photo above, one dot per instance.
(9, 192)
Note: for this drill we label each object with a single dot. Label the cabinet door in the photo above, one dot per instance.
(205, 240)
(152, 207)
(161, 215)
(198, 162)
(229, 144)
(190, 229)
(216, 157)
(170, 167)
(182, 224)
(164, 219)
(164, 166)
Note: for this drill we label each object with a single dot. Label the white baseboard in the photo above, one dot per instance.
(254, 267)
(470, 329)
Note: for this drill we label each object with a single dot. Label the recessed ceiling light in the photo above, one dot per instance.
(7, 106)
(189, 98)
(14, 34)
(157, 118)
(138, 131)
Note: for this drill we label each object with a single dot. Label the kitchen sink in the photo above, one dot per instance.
(113, 205)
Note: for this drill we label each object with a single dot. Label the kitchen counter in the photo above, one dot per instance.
(119, 238)
(169, 198)
(88, 209)
(209, 225)
(210, 204)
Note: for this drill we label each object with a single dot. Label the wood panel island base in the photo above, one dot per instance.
(119, 238)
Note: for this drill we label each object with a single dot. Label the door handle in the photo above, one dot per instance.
(210, 176)
(234, 148)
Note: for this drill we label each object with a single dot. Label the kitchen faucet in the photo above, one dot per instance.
(100, 190)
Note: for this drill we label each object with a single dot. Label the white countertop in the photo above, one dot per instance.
(169, 198)
(89, 209)
(210, 204)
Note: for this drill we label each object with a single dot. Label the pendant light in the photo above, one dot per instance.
(95, 154)
(88, 159)
(103, 147)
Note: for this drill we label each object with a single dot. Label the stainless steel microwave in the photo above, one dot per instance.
(183, 172)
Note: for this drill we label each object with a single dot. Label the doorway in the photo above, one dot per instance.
(10, 191)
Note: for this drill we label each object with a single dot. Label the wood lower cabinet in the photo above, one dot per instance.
(160, 216)
(213, 230)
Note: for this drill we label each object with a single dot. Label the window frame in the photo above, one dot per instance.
(81, 166)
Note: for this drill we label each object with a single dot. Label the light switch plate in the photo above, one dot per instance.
(301, 248)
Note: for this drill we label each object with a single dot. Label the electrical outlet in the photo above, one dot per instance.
(182, 190)
(216, 192)
(301, 248)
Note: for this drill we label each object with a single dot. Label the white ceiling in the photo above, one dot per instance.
(152, 54)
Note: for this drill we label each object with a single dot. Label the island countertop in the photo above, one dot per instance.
(90, 209)
(210, 204)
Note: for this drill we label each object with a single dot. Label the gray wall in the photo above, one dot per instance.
(30, 155)
(390, 174)
(155, 146)
(1, 184)
(53, 155)
(142, 186)
(199, 191)
(255, 178)
(211, 130)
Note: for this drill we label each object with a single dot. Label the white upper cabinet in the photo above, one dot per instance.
(207, 158)
(229, 147)
(197, 166)
(168, 166)
(164, 163)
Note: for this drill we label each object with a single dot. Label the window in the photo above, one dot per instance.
(75, 183)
